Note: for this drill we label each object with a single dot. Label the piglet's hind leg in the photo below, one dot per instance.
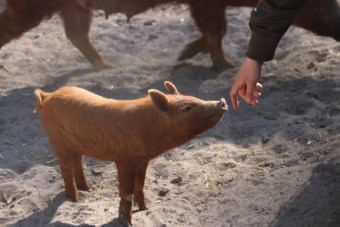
(79, 173)
(67, 171)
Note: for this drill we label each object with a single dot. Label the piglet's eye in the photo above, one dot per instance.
(186, 108)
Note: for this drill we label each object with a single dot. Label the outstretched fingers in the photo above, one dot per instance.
(249, 93)
(253, 94)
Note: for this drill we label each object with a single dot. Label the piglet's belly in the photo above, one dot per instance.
(98, 146)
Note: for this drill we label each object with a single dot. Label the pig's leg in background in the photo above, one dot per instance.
(126, 177)
(77, 22)
(195, 47)
(139, 185)
(79, 172)
(210, 19)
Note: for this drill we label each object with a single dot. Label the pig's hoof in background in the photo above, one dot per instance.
(104, 65)
(220, 66)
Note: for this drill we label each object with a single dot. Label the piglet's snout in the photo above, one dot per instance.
(220, 106)
(223, 104)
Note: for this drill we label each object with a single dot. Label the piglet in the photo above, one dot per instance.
(127, 132)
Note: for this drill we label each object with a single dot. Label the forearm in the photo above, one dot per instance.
(268, 22)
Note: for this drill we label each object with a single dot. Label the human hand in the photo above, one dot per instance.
(246, 83)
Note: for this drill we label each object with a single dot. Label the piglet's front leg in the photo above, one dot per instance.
(139, 185)
(126, 176)
(125, 210)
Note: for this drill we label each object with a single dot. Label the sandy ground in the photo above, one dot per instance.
(273, 165)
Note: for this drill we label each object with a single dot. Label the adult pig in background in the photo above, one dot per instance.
(319, 16)
(19, 16)
(128, 132)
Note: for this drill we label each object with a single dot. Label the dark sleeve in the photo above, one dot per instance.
(268, 22)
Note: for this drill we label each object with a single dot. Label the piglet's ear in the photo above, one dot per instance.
(171, 88)
(159, 99)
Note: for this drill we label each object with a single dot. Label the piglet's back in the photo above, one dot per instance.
(83, 120)
(69, 106)
(67, 96)
(69, 110)
(79, 104)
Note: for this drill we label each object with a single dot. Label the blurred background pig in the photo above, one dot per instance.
(319, 16)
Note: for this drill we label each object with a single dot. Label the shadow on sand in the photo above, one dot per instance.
(317, 204)
(44, 217)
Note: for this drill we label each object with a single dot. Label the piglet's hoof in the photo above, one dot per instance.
(125, 211)
(73, 197)
(83, 186)
(124, 222)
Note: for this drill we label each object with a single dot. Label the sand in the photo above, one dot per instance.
(276, 164)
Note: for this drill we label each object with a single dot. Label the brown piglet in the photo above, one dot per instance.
(127, 132)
